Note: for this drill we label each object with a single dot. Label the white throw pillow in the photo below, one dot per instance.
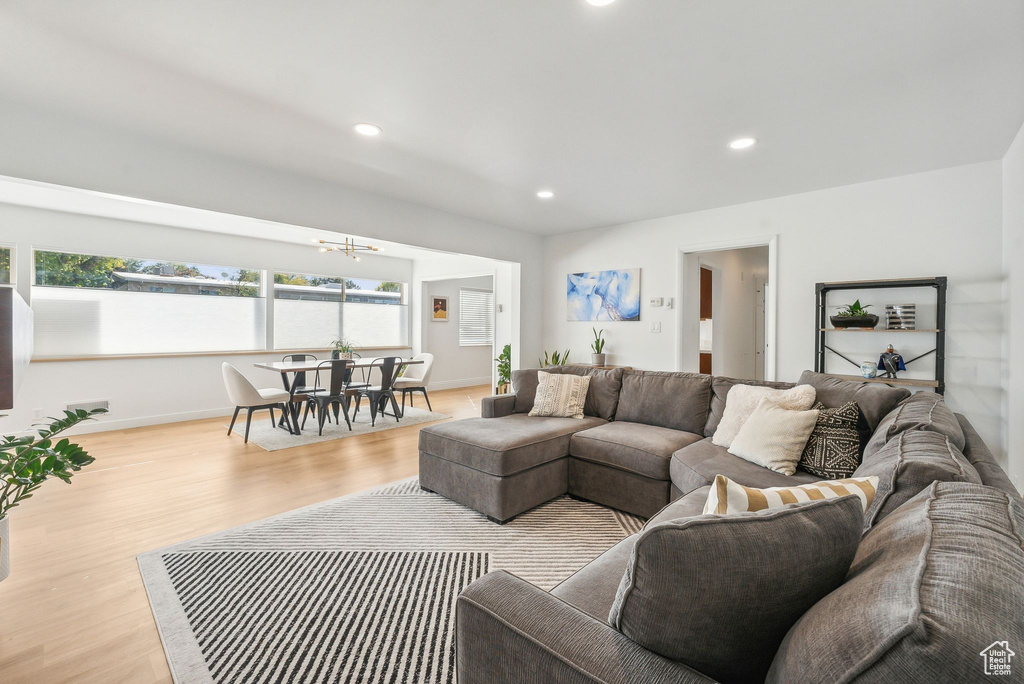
(774, 437)
(743, 399)
(560, 396)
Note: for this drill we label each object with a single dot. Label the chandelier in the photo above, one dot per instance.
(348, 247)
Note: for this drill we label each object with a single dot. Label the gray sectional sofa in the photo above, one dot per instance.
(937, 578)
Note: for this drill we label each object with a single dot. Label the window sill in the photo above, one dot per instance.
(176, 355)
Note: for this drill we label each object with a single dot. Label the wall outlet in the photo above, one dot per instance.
(655, 326)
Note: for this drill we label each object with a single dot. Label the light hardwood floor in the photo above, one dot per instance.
(74, 608)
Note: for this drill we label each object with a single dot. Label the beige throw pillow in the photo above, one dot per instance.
(774, 437)
(727, 496)
(560, 396)
(743, 399)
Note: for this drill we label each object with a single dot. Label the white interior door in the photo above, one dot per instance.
(759, 322)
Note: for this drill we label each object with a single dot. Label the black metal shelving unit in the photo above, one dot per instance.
(821, 328)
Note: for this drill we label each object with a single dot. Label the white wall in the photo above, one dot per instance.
(51, 147)
(454, 366)
(1013, 260)
(733, 272)
(946, 222)
(154, 390)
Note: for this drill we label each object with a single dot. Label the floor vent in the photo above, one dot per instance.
(89, 405)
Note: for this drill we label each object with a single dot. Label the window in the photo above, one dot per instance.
(311, 312)
(5, 265)
(87, 304)
(476, 318)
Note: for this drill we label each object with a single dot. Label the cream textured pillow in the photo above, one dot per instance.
(743, 399)
(560, 396)
(727, 496)
(774, 437)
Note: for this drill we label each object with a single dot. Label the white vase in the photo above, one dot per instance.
(5, 546)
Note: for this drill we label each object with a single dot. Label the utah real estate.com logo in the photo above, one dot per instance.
(997, 659)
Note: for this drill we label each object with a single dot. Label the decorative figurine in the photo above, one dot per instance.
(891, 362)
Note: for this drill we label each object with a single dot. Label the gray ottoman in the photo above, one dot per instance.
(500, 467)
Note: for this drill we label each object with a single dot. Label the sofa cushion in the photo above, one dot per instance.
(686, 506)
(724, 612)
(932, 585)
(774, 437)
(922, 411)
(642, 449)
(502, 446)
(910, 463)
(874, 399)
(720, 387)
(983, 460)
(524, 384)
(560, 396)
(696, 466)
(602, 395)
(592, 588)
(743, 400)
(833, 449)
(671, 400)
(726, 496)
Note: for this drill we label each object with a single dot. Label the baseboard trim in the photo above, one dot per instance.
(104, 425)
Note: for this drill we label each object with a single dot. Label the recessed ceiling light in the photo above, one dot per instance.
(742, 143)
(367, 129)
(545, 194)
(600, 3)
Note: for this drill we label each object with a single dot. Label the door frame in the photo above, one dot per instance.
(688, 268)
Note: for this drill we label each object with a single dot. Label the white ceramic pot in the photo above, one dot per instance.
(597, 359)
(5, 546)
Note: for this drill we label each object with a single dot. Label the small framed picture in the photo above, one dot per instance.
(440, 309)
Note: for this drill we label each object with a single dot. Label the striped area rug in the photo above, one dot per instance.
(357, 589)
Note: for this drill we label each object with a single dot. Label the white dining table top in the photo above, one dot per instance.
(299, 366)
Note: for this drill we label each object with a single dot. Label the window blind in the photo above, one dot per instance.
(476, 318)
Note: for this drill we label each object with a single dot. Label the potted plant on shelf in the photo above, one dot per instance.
(504, 370)
(26, 462)
(341, 348)
(556, 358)
(598, 357)
(855, 316)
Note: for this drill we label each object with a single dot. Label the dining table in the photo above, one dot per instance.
(290, 374)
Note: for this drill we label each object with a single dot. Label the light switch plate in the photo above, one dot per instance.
(657, 301)
(655, 326)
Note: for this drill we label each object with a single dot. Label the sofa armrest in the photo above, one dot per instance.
(508, 630)
(497, 406)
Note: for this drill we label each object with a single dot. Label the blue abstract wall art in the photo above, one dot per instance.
(604, 295)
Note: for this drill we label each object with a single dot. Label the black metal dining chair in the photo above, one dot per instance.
(300, 390)
(334, 396)
(380, 395)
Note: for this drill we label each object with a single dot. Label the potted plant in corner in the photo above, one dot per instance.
(855, 316)
(341, 348)
(26, 462)
(598, 357)
(504, 370)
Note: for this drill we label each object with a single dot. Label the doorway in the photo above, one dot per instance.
(727, 311)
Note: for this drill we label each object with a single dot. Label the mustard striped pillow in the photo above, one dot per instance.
(727, 496)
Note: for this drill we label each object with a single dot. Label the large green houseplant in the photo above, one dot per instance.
(26, 462)
(504, 369)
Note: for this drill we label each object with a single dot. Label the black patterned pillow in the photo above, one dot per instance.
(833, 449)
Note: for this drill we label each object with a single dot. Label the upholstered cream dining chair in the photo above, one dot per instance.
(244, 395)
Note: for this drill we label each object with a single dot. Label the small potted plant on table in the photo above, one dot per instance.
(598, 357)
(26, 462)
(341, 348)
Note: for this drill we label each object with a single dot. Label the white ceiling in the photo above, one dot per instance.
(624, 111)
